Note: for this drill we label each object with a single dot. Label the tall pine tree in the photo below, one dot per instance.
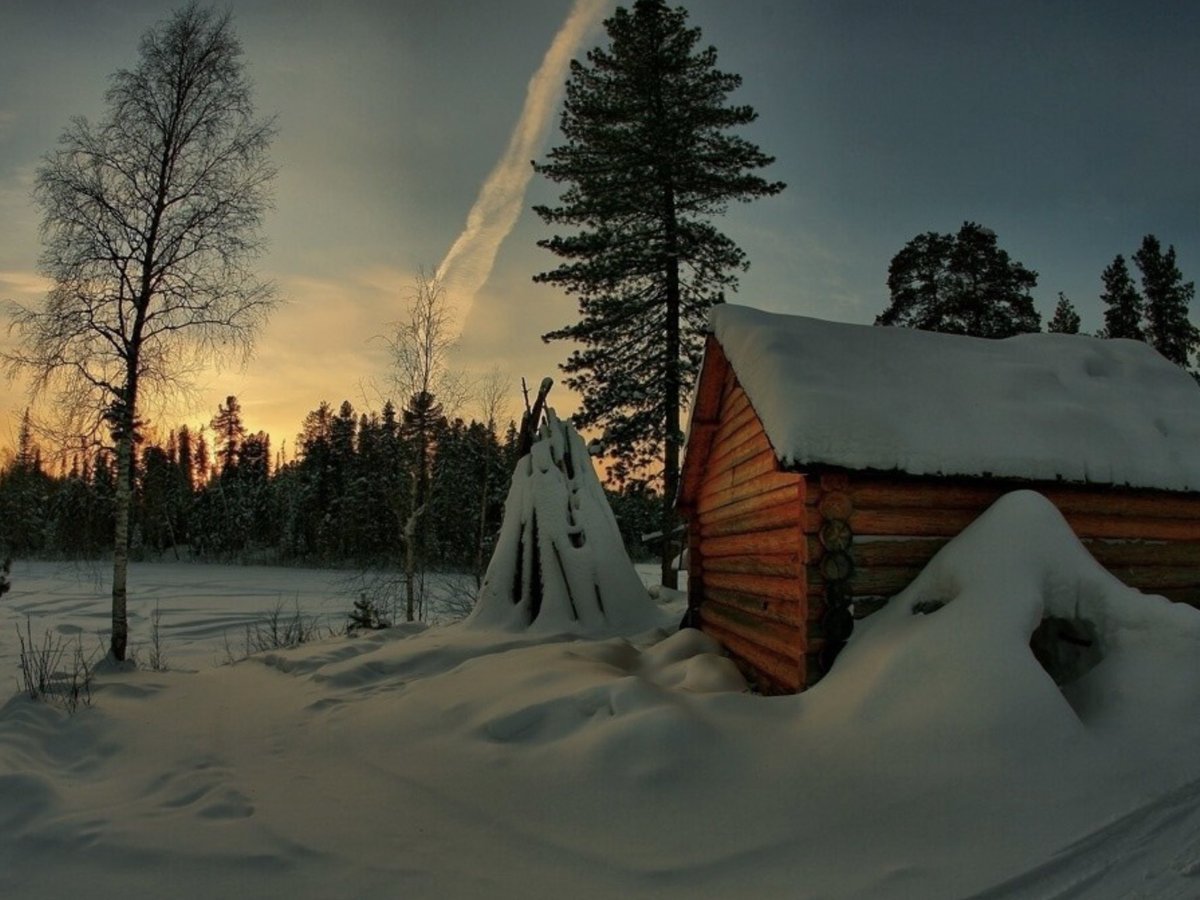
(1123, 305)
(1167, 300)
(229, 431)
(649, 161)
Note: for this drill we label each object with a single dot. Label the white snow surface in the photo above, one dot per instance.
(936, 760)
(1037, 406)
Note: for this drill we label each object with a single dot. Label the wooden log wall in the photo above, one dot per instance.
(747, 553)
(779, 560)
(1148, 539)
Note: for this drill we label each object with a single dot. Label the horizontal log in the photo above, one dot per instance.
(1145, 553)
(698, 448)
(773, 587)
(781, 639)
(911, 552)
(770, 613)
(745, 490)
(783, 515)
(734, 399)
(911, 522)
(730, 381)
(1089, 501)
(876, 581)
(708, 513)
(779, 540)
(783, 565)
(760, 464)
(715, 375)
(1153, 579)
(1130, 528)
(1109, 553)
(737, 450)
(736, 419)
(949, 522)
(783, 673)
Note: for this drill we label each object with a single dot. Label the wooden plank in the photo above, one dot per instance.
(912, 522)
(783, 565)
(714, 372)
(783, 515)
(1154, 579)
(1134, 528)
(708, 513)
(774, 587)
(762, 463)
(911, 552)
(734, 399)
(769, 612)
(782, 639)
(869, 493)
(935, 522)
(736, 417)
(882, 581)
(695, 459)
(784, 671)
(1145, 553)
(744, 446)
(877, 581)
(760, 484)
(776, 541)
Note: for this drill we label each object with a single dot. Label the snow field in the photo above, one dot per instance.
(937, 760)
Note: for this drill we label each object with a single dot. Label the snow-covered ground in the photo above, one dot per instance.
(938, 759)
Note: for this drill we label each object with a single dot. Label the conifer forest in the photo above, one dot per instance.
(221, 492)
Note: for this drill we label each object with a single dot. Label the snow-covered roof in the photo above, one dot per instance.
(1037, 406)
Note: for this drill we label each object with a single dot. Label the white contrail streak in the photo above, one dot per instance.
(468, 263)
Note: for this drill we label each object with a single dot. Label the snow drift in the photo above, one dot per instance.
(939, 758)
(1014, 626)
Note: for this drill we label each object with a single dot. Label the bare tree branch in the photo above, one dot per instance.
(150, 229)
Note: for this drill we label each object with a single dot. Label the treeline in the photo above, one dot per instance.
(222, 494)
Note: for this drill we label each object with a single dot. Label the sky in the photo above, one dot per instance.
(1071, 129)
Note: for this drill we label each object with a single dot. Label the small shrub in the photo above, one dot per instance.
(55, 671)
(366, 616)
(277, 629)
(158, 659)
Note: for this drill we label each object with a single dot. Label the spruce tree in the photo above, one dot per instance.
(1065, 319)
(960, 284)
(1167, 300)
(1124, 307)
(229, 431)
(649, 160)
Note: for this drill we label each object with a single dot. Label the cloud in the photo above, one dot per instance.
(468, 263)
(20, 285)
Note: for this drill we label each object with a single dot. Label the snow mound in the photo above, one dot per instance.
(1035, 406)
(938, 759)
(1013, 628)
(559, 563)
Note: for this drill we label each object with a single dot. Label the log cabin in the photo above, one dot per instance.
(826, 463)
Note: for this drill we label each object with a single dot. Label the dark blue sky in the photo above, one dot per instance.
(1070, 128)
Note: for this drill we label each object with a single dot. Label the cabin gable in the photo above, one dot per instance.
(746, 542)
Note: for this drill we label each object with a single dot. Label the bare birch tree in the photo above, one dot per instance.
(420, 345)
(151, 220)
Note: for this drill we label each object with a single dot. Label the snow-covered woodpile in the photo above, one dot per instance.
(827, 463)
(559, 563)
